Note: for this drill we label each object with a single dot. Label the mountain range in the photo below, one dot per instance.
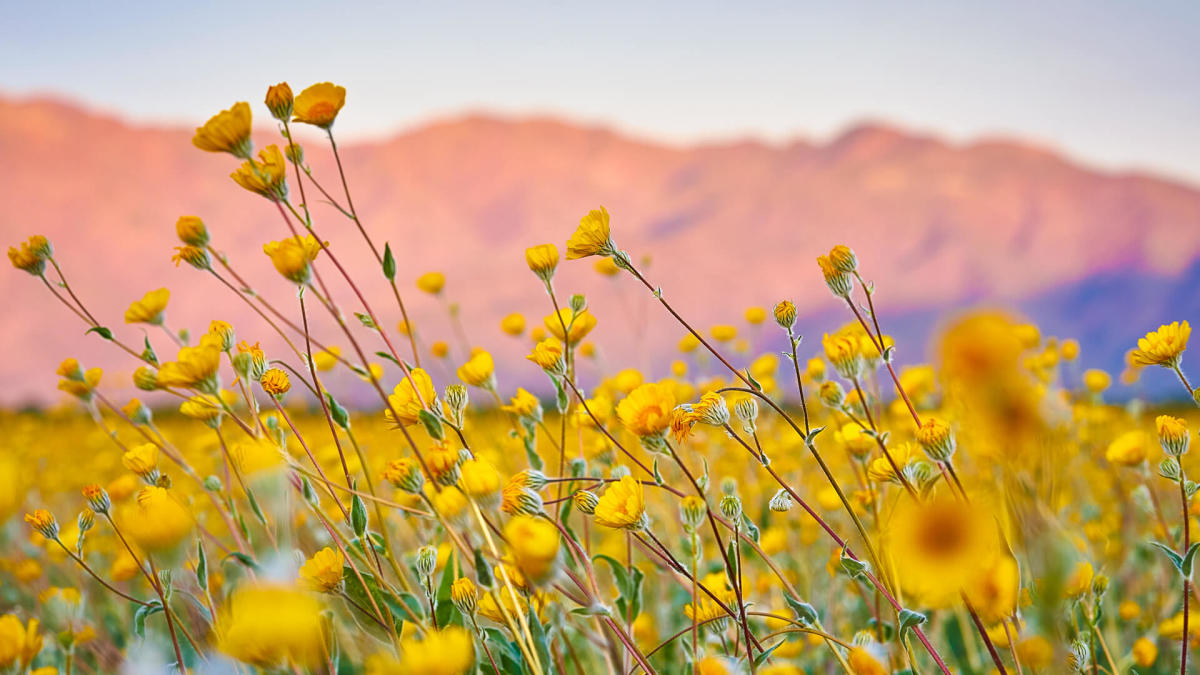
(938, 226)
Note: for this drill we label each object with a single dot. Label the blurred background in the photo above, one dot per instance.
(1040, 158)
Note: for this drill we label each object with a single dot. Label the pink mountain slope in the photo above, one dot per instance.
(727, 226)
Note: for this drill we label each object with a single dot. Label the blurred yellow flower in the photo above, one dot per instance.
(1145, 652)
(513, 324)
(272, 626)
(431, 282)
(578, 325)
(156, 522)
(1128, 449)
(479, 370)
(19, 643)
(149, 309)
(548, 354)
(533, 545)
(723, 332)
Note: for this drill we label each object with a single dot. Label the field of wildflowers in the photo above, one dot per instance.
(817, 511)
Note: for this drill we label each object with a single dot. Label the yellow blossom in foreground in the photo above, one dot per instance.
(149, 309)
(533, 544)
(1162, 347)
(939, 546)
(450, 651)
(646, 411)
(479, 370)
(227, 131)
(323, 571)
(863, 662)
(319, 104)
(156, 521)
(141, 459)
(1145, 652)
(194, 367)
(272, 626)
(19, 643)
(523, 404)
(708, 609)
(592, 237)
(1080, 580)
(622, 506)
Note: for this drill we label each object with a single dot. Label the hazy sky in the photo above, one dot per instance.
(1116, 84)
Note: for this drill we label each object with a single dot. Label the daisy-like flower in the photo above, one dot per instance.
(150, 309)
(323, 571)
(622, 506)
(319, 104)
(227, 131)
(592, 237)
(1162, 347)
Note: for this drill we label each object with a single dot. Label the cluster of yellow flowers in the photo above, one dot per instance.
(784, 512)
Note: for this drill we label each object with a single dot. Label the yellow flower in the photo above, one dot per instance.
(723, 332)
(994, 588)
(688, 343)
(513, 324)
(326, 359)
(443, 462)
(206, 407)
(279, 101)
(622, 506)
(431, 282)
(863, 662)
(405, 473)
(323, 571)
(275, 382)
(1128, 449)
(410, 397)
(465, 595)
(1080, 581)
(939, 546)
(43, 521)
(1162, 347)
(1172, 628)
(149, 309)
(32, 255)
(836, 279)
(591, 237)
(439, 349)
(272, 626)
(489, 608)
(479, 370)
(708, 609)
(450, 651)
(1129, 610)
(292, 258)
(267, 176)
(1145, 652)
(785, 314)
(82, 387)
(141, 459)
(845, 353)
(227, 131)
(548, 354)
(843, 258)
(578, 324)
(1173, 434)
(191, 231)
(479, 479)
(646, 411)
(524, 404)
(542, 260)
(156, 521)
(1096, 381)
(756, 315)
(19, 643)
(192, 255)
(222, 333)
(936, 439)
(533, 545)
(319, 104)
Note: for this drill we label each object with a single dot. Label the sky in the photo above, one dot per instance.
(1114, 84)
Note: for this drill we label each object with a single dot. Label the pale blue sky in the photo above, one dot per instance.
(1115, 84)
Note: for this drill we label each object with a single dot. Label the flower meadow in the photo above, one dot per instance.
(825, 509)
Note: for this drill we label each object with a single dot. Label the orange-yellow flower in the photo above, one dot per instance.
(592, 237)
(150, 308)
(578, 324)
(646, 411)
(431, 282)
(319, 104)
(542, 260)
(323, 571)
(1162, 347)
(157, 521)
(479, 370)
(622, 506)
(272, 626)
(533, 545)
(266, 176)
(410, 397)
(227, 131)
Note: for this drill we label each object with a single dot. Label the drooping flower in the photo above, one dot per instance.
(549, 355)
(524, 404)
(19, 643)
(542, 260)
(194, 367)
(592, 237)
(293, 258)
(266, 176)
(32, 255)
(319, 104)
(622, 506)
(191, 231)
(479, 370)
(227, 131)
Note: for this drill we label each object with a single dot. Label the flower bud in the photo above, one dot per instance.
(692, 511)
(279, 101)
(785, 314)
(426, 561)
(731, 507)
(586, 502)
(843, 259)
(542, 260)
(294, 153)
(1173, 435)
(839, 282)
(86, 520)
(936, 439)
(578, 303)
(192, 255)
(746, 410)
(405, 474)
(43, 521)
(532, 479)
(97, 498)
(782, 502)
(465, 596)
(456, 402)
(191, 231)
(136, 411)
(831, 394)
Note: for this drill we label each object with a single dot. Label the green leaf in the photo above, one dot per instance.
(658, 478)
(1188, 558)
(366, 320)
(910, 619)
(812, 435)
(482, 572)
(806, 614)
(766, 653)
(538, 633)
(144, 612)
(358, 516)
(535, 462)
(389, 262)
(629, 584)
(389, 357)
(337, 413)
(432, 425)
(258, 512)
(753, 382)
(148, 353)
(1175, 558)
(855, 568)
(242, 558)
(201, 566)
(101, 331)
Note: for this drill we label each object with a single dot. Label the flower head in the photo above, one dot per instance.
(578, 324)
(410, 397)
(622, 506)
(591, 237)
(1162, 347)
(836, 279)
(194, 367)
(191, 231)
(647, 410)
(479, 370)
(533, 546)
(275, 382)
(293, 258)
(323, 571)
(272, 626)
(19, 643)
(227, 131)
(431, 282)
(43, 521)
(542, 260)
(319, 104)
(449, 651)
(1128, 449)
(149, 309)
(157, 522)
(936, 439)
(549, 355)
(279, 101)
(266, 176)
(1173, 434)
(405, 473)
(32, 255)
